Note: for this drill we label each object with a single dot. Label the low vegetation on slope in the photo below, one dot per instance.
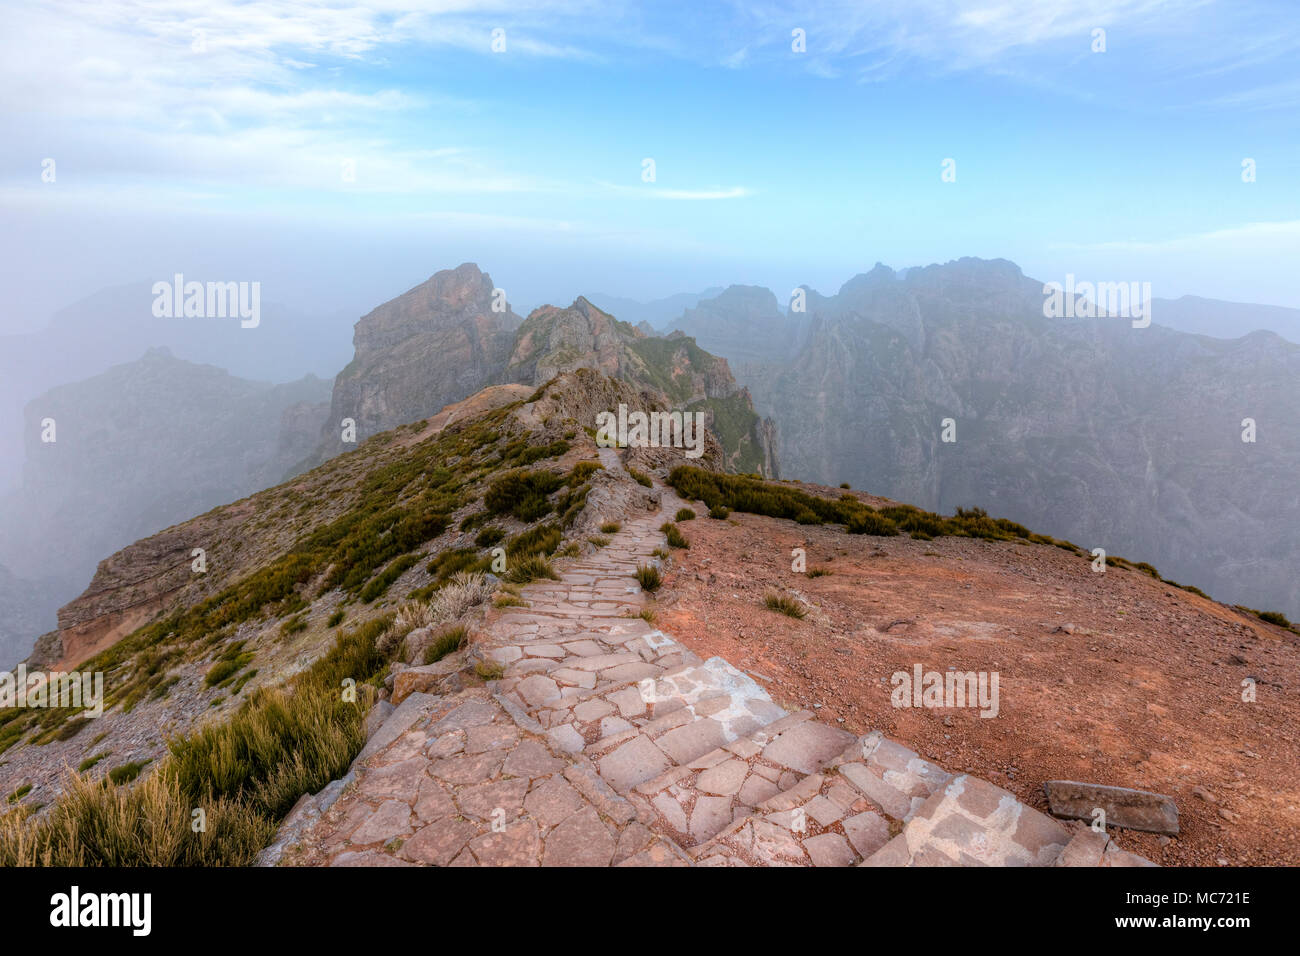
(724, 493)
(242, 776)
(402, 505)
(755, 496)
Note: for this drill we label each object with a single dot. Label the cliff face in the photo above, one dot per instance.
(1114, 437)
(744, 323)
(441, 342)
(427, 348)
(553, 340)
(129, 589)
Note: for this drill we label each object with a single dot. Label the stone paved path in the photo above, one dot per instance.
(608, 743)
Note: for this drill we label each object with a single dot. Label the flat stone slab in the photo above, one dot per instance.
(635, 761)
(1130, 809)
(398, 722)
(808, 746)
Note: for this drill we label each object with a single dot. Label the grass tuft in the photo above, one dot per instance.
(444, 643)
(647, 575)
(785, 604)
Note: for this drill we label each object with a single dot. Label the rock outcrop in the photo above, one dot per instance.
(443, 341)
(433, 345)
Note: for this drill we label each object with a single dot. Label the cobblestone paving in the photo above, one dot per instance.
(608, 743)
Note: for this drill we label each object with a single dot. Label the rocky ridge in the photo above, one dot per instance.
(453, 335)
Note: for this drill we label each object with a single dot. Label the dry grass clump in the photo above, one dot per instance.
(784, 604)
(463, 592)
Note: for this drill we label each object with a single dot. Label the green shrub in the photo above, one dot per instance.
(685, 514)
(376, 587)
(611, 527)
(20, 793)
(522, 494)
(227, 666)
(521, 452)
(722, 493)
(489, 536)
(719, 513)
(456, 560)
(530, 568)
(571, 504)
(445, 642)
(870, 522)
(490, 670)
(335, 619)
(355, 654)
(542, 539)
(1275, 617)
(127, 771)
(90, 762)
(75, 725)
(582, 471)
(640, 477)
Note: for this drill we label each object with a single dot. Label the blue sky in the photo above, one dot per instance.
(220, 153)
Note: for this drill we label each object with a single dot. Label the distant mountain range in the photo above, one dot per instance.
(117, 325)
(657, 313)
(137, 448)
(1089, 429)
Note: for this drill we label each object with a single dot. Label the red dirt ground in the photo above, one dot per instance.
(1145, 692)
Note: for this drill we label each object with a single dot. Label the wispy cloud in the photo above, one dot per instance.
(1025, 40)
(651, 191)
(1244, 232)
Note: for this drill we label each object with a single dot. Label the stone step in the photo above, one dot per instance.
(697, 800)
(971, 822)
(893, 778)
(815, 819)
(671, 720)
(586, 664)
